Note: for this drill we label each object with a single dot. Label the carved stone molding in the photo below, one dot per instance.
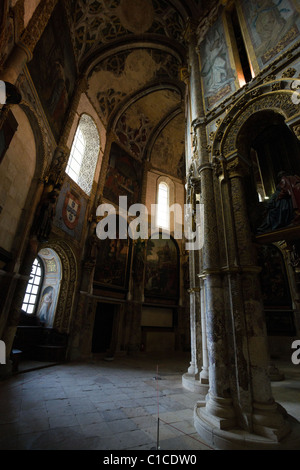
(68, 283)
(225, 141)
(296, 130)
(31, 35)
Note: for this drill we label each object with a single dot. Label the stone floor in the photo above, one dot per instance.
(115, 405)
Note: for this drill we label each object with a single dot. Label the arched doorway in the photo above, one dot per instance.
(269, 147)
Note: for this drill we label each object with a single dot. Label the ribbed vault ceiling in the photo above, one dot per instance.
(132, 51)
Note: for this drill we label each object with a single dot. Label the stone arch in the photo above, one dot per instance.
(125, 104)
(40, 140)
(62, 320)
(262, 98)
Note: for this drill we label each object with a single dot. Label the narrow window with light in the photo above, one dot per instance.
(84, 154)
(33, 288)
(163, 206)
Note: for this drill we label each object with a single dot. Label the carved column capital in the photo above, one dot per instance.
(234, 167)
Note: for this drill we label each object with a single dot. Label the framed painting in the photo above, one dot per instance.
(218, 77)
(162, 269)
(272, 26)
(112, 264)
(53, 70)
(123, 176)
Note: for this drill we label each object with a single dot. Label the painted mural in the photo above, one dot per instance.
(217, 75)
(112, 262)
(123, 177)
(273, 25)
(162, 276)
(51, 286)
(54, 79)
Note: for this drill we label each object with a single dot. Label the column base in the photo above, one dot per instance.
(269, 420)
(219, 434)
(193, 384)
(274, 373)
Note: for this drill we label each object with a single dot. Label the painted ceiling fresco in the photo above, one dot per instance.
(132, 52)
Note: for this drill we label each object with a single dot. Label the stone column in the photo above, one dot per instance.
(23, 50)
(204, 374)
(267, 419)
(191, 77)
(218, 407)
(193, 368)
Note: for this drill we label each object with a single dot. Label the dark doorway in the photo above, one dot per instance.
(103, 328)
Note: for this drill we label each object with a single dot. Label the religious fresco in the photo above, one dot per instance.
(70, 211)
(123, 177)
(218, 77)
(162, 269)
(168, 152)
(120, 74)
(54, 79)
(273, 25)
(51, 286)
(112, 262)
(135, 125)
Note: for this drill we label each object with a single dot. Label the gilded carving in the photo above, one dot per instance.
(212, 136)
(276, 86)
(289, 73)
(269, 78)
(296, 130)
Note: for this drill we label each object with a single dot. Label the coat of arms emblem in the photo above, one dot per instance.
(71, 211)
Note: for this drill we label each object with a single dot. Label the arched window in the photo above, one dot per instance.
(33, 288)
(84, 154)
(163, 206)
